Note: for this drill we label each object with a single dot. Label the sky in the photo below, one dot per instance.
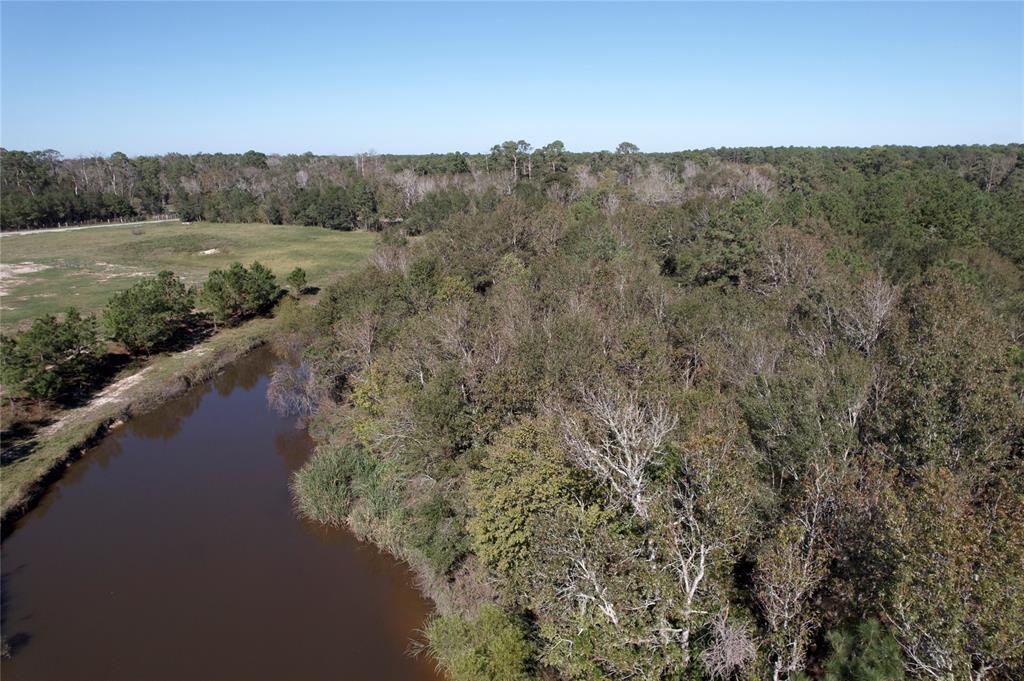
(152, 77)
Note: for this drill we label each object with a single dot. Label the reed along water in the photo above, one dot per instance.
(172, 550)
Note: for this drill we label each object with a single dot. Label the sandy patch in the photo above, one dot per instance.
(210, 251)
(17, 269)
(11, 274)
(112, 271)
(118, 275)
(113, 393)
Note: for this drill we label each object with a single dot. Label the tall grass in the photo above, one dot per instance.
(323, 487)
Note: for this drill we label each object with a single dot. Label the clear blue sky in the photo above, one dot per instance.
(340, 78)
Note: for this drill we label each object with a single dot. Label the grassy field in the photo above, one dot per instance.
(46, 272)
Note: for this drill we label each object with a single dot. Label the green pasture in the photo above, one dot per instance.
(48, 271)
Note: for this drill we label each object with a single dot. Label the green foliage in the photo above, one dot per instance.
(523, 475)
(957, 593)
(443, 412)
(1016, 361)
(254, 159)
(52, 358)
(436, 532)
(177, 244)
(950, 400)
(335, 209)
(149, 313)
(866, 652)
(435, 208)
(439, 164)
(236, 293)
(491, 646)
(723, 250)
(296, 281)
(913, 218)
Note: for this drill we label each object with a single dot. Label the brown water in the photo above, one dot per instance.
(171, 551)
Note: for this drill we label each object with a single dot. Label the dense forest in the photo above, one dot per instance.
(741, 414)
(723, 414)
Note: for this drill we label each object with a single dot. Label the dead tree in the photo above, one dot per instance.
(862, 318)
(730, 649)
(617, 438)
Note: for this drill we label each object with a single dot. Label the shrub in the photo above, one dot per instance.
(492, 646)
(149, 313)
(52, 357)
(237, 292)
(296, 281)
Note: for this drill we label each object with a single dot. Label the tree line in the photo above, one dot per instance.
(905, 194)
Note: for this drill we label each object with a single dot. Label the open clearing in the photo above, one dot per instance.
(48, 271)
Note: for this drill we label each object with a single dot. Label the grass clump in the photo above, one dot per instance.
(323, 487)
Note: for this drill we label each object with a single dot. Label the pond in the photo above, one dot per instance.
(172, 550)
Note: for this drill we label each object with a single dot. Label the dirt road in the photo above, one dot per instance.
(74, 229)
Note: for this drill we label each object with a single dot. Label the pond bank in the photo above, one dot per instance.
(56, 446)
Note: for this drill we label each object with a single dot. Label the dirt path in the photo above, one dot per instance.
(75, 229)
(113, 395)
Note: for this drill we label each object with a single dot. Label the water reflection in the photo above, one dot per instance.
(244, 375)
(165, 424)
(98, 456)
(15, 637)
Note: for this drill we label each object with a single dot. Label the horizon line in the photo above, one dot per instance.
(373, 152)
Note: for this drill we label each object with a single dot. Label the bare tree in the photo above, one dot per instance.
(617, 438)
(862, 317)
(709, 519)
(925, 655)
(657, 186)
(452, 331)
(584, 584)
(691, 554)
(791, 258)
(790, 567)
(786, 577)
(757, 180)
(415, 187)
(576, 568)
(390, 259)
(730, 649)
(362, 335)
(294, 391)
